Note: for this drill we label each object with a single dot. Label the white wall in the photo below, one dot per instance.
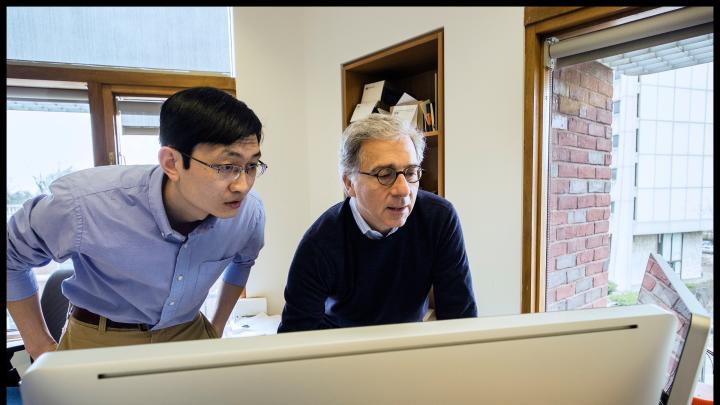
(288, 70)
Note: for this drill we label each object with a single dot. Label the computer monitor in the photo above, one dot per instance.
(662, 287)
(591, 356)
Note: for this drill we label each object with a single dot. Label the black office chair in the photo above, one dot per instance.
(54, 304)
(54, 307)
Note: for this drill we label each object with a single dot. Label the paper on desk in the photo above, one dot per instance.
(260, 324)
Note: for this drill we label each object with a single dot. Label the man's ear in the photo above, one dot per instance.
(170, 162)
(349, 189)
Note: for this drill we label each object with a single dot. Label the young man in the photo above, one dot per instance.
(372, 258)
(147, 242)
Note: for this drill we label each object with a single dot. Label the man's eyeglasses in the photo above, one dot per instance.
(231, 172)
(387, 175)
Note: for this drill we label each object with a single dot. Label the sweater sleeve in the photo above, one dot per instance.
(306, 290)
(452, 283)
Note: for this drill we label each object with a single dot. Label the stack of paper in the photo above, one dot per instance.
(419, 114)
(376, 97)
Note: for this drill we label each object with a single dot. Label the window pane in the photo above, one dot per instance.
(139, 127)
(43, 143)
(175, 38)
(664, 137)
(680, 139)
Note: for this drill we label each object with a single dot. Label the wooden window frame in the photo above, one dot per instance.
(105, 83)
(540, 24)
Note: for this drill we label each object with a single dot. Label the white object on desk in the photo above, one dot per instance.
(249, 307)
(260, 324)
(20, 361)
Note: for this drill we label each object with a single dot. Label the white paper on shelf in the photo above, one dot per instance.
(406, 99)
(362, 110)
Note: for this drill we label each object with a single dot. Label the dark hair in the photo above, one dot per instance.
(205, 115)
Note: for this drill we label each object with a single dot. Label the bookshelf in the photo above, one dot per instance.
(413, 66)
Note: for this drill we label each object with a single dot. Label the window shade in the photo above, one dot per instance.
(672, 26)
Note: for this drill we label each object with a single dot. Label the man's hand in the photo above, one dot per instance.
(36, 351)
(229, 295)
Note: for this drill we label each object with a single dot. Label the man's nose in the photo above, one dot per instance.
(401, 187)
(242, 184)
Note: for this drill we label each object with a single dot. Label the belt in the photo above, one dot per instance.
(83, 315)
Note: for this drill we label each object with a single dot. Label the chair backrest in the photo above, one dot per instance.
(53, 302)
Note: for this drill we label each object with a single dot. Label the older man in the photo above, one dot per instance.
(373, 258)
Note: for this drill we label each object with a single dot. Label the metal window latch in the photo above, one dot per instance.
(549, 61)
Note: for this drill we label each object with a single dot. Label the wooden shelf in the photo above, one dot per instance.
(414, 66)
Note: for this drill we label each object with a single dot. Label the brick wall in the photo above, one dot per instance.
(579, 189)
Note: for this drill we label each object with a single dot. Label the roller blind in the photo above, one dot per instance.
(670, 27)
(46, 99)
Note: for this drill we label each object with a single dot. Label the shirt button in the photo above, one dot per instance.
(180, 278)
(172, 303)
(185, 246)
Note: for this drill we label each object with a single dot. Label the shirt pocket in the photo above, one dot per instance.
(208, 274)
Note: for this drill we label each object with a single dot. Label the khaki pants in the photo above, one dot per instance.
(81, 335)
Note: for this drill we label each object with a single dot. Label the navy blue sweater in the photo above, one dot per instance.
(341, 278)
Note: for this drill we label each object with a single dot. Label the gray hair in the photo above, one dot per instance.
(375, 126)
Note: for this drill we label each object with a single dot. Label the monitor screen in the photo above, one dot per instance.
(663, 287)
(590, 356)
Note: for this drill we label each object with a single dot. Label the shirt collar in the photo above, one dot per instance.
(157, 207)
(363, 225)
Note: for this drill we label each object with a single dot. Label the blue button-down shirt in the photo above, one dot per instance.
(364, 226)
(130, 265)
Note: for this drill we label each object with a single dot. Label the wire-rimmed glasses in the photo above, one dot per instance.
(232, 172)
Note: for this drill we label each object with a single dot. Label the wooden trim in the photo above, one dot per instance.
(533, 266)
(412, 42)
(441, 113)
(109, 125)
(531, 182)
(126, 90)
(97, 123)
(581, 18)
(537, 14)
(46, 71)
(103, 84)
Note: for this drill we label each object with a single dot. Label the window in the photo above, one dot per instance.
(634, 217)
(138, 122)
(636, 174)
(670, 247)
(60, 122)
(635, 90)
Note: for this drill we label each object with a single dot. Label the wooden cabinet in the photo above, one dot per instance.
(414, 66)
